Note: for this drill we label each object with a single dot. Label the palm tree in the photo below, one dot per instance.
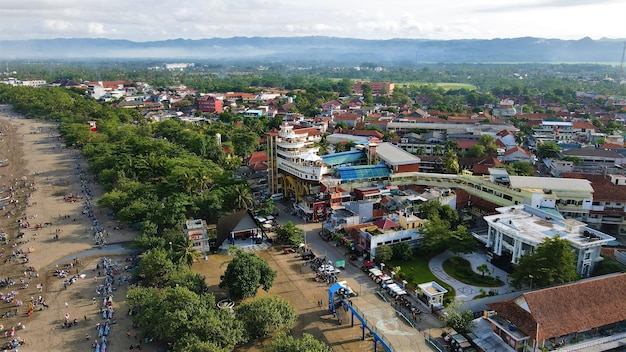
(185, 253)
(243, 198)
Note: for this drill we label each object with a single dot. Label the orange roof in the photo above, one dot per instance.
(516, 149)
(583, 125)
(564, 309)
(611, 146)
(466, 144)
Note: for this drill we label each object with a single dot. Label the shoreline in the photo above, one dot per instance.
(59, 231)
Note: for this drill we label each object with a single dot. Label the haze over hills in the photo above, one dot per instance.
(332, 49)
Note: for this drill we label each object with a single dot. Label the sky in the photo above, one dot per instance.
(151, 20)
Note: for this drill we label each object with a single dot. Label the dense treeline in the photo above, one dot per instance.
(514, 79)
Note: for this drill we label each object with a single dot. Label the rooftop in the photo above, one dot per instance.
(535, 225)
(561, 184)
(394, 155)
(361, 172)
(343, 158)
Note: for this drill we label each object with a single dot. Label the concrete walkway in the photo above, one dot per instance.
(465, 292)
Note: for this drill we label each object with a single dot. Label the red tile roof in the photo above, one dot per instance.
(603, 189)
(584, 124)
(560, 310)
(516, 149)
(257, 157)
(385, 224)
(611, 146)
(466, 144)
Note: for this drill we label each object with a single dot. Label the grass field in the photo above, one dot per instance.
(461, 269)
(415, 271)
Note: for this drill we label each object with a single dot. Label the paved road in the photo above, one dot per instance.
(381, 316)
(465, 292)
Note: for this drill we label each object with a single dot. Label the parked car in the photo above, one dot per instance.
(276, 196)
(328, 269)
(325, 235)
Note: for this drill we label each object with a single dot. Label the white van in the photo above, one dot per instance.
(276, 196)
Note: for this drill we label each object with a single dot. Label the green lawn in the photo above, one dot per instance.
(461, 270)
(415, 271)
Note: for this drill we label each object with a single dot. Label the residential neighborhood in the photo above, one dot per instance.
(378, 176)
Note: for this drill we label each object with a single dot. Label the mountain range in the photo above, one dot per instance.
(323, 49)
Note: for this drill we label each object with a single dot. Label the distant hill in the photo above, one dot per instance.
(323, 49)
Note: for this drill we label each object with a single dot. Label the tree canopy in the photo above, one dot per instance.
(177, 315)
(552, 262)
(287, 343)
(266, 315)
(245, 273)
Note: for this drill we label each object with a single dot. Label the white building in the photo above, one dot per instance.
(196, 231)
(519, 229)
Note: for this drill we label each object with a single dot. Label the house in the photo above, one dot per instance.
(237, 226)
(388, 232)
(507, 138)
(196, 231)
(566, 314)
(517, 153)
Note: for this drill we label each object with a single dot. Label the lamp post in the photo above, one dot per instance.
(171, 246)
(531, 281)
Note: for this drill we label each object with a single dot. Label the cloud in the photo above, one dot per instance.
(144, 20)
(96, 28)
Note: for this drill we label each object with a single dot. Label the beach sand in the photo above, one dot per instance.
(42, 173)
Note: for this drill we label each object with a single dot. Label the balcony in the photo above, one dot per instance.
(291, 145)
(303, 171)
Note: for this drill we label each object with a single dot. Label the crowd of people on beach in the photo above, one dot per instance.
(105, 292)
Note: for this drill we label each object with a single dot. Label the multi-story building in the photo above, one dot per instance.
(210, 104)
(388, 232)
(295, 168)
(608, 210)
(562, 131)
(519, 229)
(196, 231)
(378, 88)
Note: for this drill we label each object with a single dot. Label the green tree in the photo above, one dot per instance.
(483, 269)
(243, 197)
(368, 99)
(552, 262)
(451, 161)
(402, 251)
(476, 151)
(548, 150)
(521, 168)
(266, 315)
(383, 254)
(185, 254)
(434, 209)
(245, 273)
(290, 233)
(176, 315)
(460, 240)
(155, 266)
(287, 343)
(461, 322)
(435, 235)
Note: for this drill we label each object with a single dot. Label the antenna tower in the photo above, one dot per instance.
(621, 67)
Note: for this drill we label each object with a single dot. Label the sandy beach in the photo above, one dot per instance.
(48, 222)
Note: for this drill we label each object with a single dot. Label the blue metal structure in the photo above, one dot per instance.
(334, 289)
